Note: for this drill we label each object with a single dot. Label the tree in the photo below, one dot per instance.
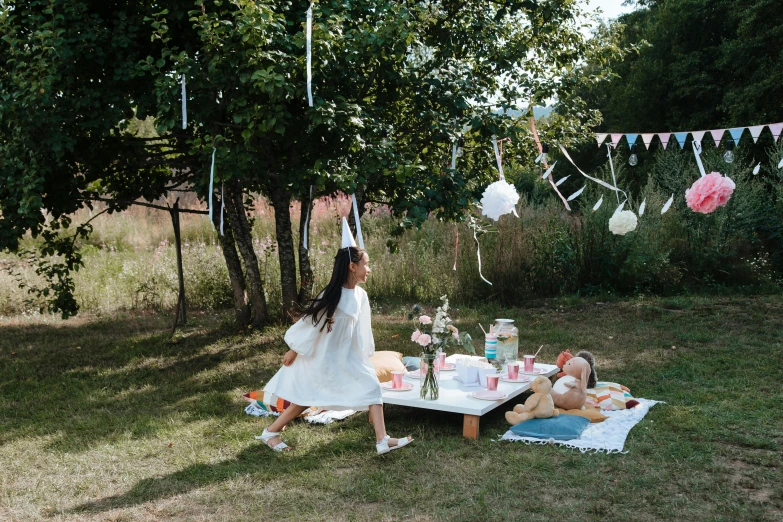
(396, 83)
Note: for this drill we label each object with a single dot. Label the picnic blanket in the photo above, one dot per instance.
(262, 405)
(608, 436)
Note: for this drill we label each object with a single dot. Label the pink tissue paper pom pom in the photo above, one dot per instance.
(424, 339)
(416, 335)
(709, 192)
(425, 319)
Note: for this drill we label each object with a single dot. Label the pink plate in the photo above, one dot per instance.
(535, 371)
(489, 395)
(406, 386)
(448, 367)
(415, 374)
(519, 379)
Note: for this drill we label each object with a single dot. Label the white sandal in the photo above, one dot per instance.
(269, 435)
(383, 447)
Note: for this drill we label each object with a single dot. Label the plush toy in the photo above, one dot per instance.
(537, 406)
(562, 359)
(570, 392)
(587, 356)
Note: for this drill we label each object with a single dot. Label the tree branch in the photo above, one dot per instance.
(150, 205)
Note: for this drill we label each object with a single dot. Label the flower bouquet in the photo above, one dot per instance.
(435, 336)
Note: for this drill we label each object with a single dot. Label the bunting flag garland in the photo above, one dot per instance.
(184, 104)
(211, 187)
(717, 135)
(755, 131)
(358, 222)
(310, 56)
(776, 129)
(681, 137)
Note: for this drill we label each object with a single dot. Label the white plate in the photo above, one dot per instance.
(448, 367)
(406, 386)
(488, 395)
(536, 371)
(518, 380)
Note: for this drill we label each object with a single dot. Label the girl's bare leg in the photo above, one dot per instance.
(289, 414)
(376, 417)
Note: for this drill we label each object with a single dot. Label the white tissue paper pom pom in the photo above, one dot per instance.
(499, 198)
(623, 222)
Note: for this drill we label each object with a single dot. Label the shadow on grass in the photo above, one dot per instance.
(85, 382)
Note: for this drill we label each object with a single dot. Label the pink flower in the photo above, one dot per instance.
(425, 319)
(424, 339)
(709, 192)
(416, 335)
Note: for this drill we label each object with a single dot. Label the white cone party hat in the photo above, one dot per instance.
(348, 240)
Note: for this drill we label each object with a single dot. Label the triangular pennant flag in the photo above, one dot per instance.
(348, 240)
(736, 134)
(681, 137)
(664, 138)
(600, 137)
(647, 139)
(631, 139)
(755, 131)
(616, 139)
(698, 135)
(775, 129)
(717, 135)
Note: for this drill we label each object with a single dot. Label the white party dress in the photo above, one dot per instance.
(332, 370)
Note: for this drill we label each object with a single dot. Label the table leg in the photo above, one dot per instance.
(470, 426)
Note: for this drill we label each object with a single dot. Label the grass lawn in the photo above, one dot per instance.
(107, 419)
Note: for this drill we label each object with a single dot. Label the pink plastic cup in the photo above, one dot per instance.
(513, 370)
(492, 382)
(397, 380)
(442, 359)
(530, 363)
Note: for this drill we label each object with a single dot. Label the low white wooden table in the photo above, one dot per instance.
(455, 397)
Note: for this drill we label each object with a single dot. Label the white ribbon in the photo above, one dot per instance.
(454, 156)
(611, 166)
(697, 153)
(478, 253)
(211, 186)
(358, 223)
(602, 183)
(497, 158)
(184, 104)
(310, 56)
(222, 205)
(307, 219)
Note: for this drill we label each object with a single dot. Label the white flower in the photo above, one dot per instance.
(623, 222)
(499, 198)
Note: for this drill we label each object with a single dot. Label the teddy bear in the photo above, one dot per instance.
(537, 406)
(566, 356)
(570, 392)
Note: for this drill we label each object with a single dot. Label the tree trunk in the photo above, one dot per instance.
(181, 315)
(235, 207)
(305, 270)
(281, 200)
(234, 265)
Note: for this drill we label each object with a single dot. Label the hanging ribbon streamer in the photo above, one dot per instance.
(456, 248)
(549, 170)
(211, 186)
(184, 104)
(611, 166)
(697, 153)
(602, 183)
(307, 219)
(497, 157)
(478, 253)
(222, 205)
(454, 156)
(310, 56)
(358, 223)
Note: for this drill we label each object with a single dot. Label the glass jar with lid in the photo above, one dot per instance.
(508, 340)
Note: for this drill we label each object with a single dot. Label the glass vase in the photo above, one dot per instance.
(429, 376)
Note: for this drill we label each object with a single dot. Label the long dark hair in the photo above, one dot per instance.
(327, 300)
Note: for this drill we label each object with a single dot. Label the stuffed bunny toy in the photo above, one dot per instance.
(570, 392)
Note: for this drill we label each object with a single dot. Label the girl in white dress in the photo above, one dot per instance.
(328, 362)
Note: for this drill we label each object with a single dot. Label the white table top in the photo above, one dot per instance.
(455, 397)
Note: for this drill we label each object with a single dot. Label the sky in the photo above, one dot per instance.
(611, 8)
